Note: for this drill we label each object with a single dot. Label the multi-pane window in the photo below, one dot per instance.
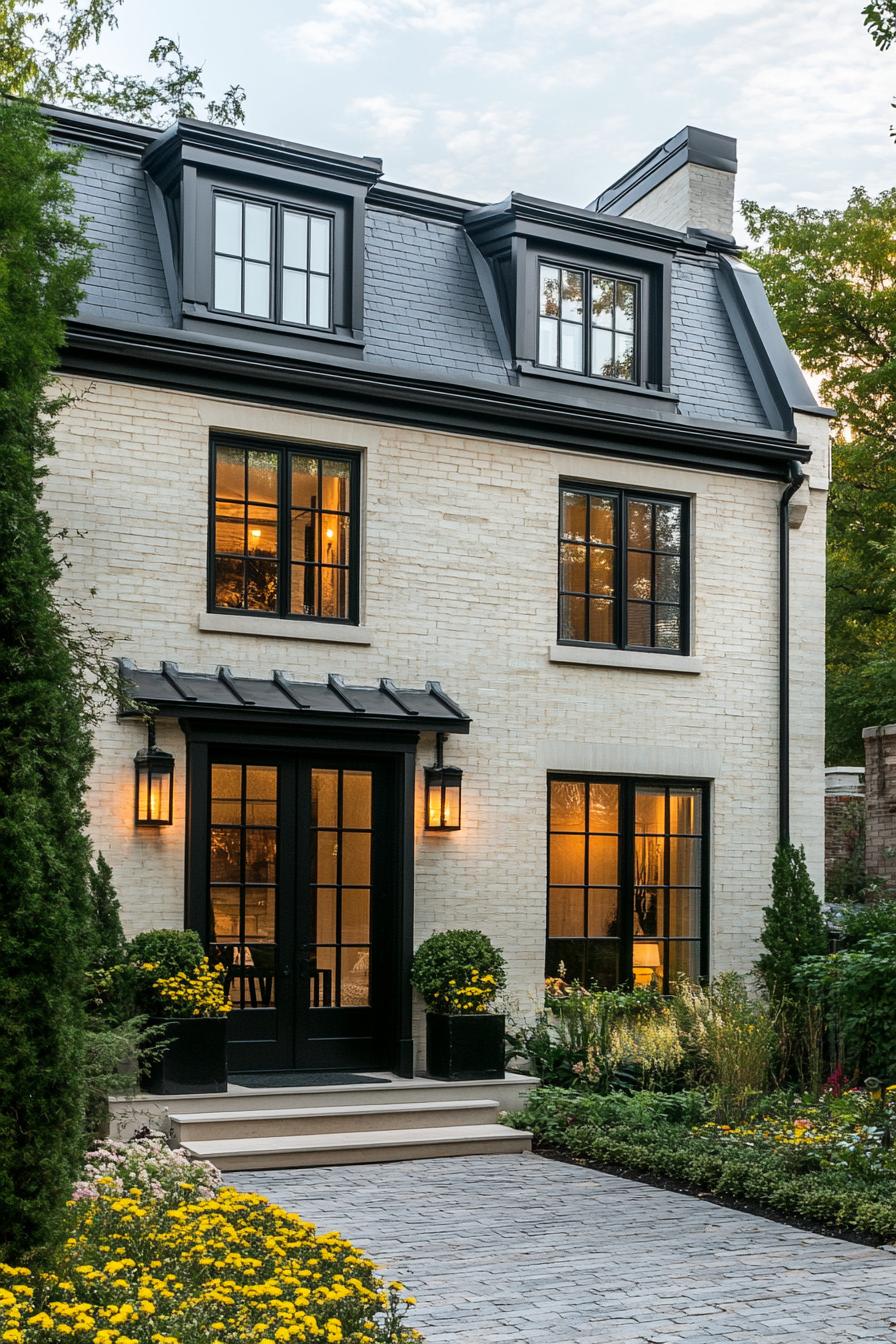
(284, 525)
(272, 262)
(626, 882)
(587, 322)
(621, 569)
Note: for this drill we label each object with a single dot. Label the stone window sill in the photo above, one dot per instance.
(624, 658)
(272, 627)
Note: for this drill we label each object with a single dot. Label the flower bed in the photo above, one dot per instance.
(826, 1164)
(174, 1260)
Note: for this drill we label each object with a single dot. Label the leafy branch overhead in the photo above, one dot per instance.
(40, 58)
(831, 278)
(880, 20)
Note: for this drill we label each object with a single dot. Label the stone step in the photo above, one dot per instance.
(293, 1120)
(377, 1145)
(129, 1114)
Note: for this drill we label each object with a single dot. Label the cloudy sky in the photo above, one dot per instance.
(552, 97)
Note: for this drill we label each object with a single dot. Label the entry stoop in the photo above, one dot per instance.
(295, 1133)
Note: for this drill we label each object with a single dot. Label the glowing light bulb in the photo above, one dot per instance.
(256, 532)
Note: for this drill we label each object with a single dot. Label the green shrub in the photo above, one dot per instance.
(451, 955)
(793, 927)
(857, 991)
(649, 1134)
(157, 953)
(109, 980)
(167, 950)
(859, 922)
(45, 749)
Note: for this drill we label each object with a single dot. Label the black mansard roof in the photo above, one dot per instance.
(432, 351)
(170, 692)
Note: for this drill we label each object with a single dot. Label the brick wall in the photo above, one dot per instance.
(694, 196)
(843, 832)
(459, 584)
(880, 803)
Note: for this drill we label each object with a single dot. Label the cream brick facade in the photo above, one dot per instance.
(459, 584)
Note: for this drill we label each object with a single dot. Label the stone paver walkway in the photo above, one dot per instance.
(523, 1249)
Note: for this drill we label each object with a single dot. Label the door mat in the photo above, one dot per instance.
(303, 1079)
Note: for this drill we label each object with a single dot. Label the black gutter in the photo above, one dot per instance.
(797, 477)
(191, 363)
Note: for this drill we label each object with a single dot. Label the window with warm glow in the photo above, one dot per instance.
(284, 525)
(627, 882)
(622, 569)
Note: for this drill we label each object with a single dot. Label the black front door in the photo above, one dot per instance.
(301, 905)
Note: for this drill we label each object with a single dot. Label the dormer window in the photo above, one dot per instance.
(587, 322)
(272, 263)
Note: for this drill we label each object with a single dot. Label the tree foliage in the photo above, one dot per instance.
(44, 743)
(880, 20)
(831, 278)
(40, 54)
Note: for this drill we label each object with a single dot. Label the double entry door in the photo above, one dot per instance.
(300, 906)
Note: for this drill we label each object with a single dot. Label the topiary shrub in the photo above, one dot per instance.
(793, 927)
(159, 953)
(452, 956)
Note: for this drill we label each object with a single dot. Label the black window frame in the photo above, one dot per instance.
(278, 208)
(590, 272)
(628, 787)
(622, 495)
(286, 450)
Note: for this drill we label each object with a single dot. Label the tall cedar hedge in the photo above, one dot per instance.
(44, 742)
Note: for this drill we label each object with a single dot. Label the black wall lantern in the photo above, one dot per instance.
(442, 793)
(153, 782)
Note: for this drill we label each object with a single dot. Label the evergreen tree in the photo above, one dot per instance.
(793, 927)
(44, 743)
(109, 944)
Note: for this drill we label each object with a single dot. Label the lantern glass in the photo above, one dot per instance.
(154, 771)
(443, 787)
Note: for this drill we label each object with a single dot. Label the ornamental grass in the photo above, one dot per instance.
(232, 1267)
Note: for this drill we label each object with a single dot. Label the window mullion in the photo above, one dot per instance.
(284, 533)
(622, 558)
(667, 846)
(626, 828)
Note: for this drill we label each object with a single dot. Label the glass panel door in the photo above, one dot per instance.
(243, 886)
(295, 884)
(341, 835)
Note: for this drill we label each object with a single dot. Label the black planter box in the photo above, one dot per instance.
(195, 1059)
(465, 1046)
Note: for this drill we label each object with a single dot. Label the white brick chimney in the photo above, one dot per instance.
(685, 183)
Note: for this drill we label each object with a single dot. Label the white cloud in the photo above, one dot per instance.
(384, 118)
(558, 97)
(342, 30)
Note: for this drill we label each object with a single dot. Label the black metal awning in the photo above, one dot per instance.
(169, 692)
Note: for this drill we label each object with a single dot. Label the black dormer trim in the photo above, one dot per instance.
(186, 165)
(520, 233)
